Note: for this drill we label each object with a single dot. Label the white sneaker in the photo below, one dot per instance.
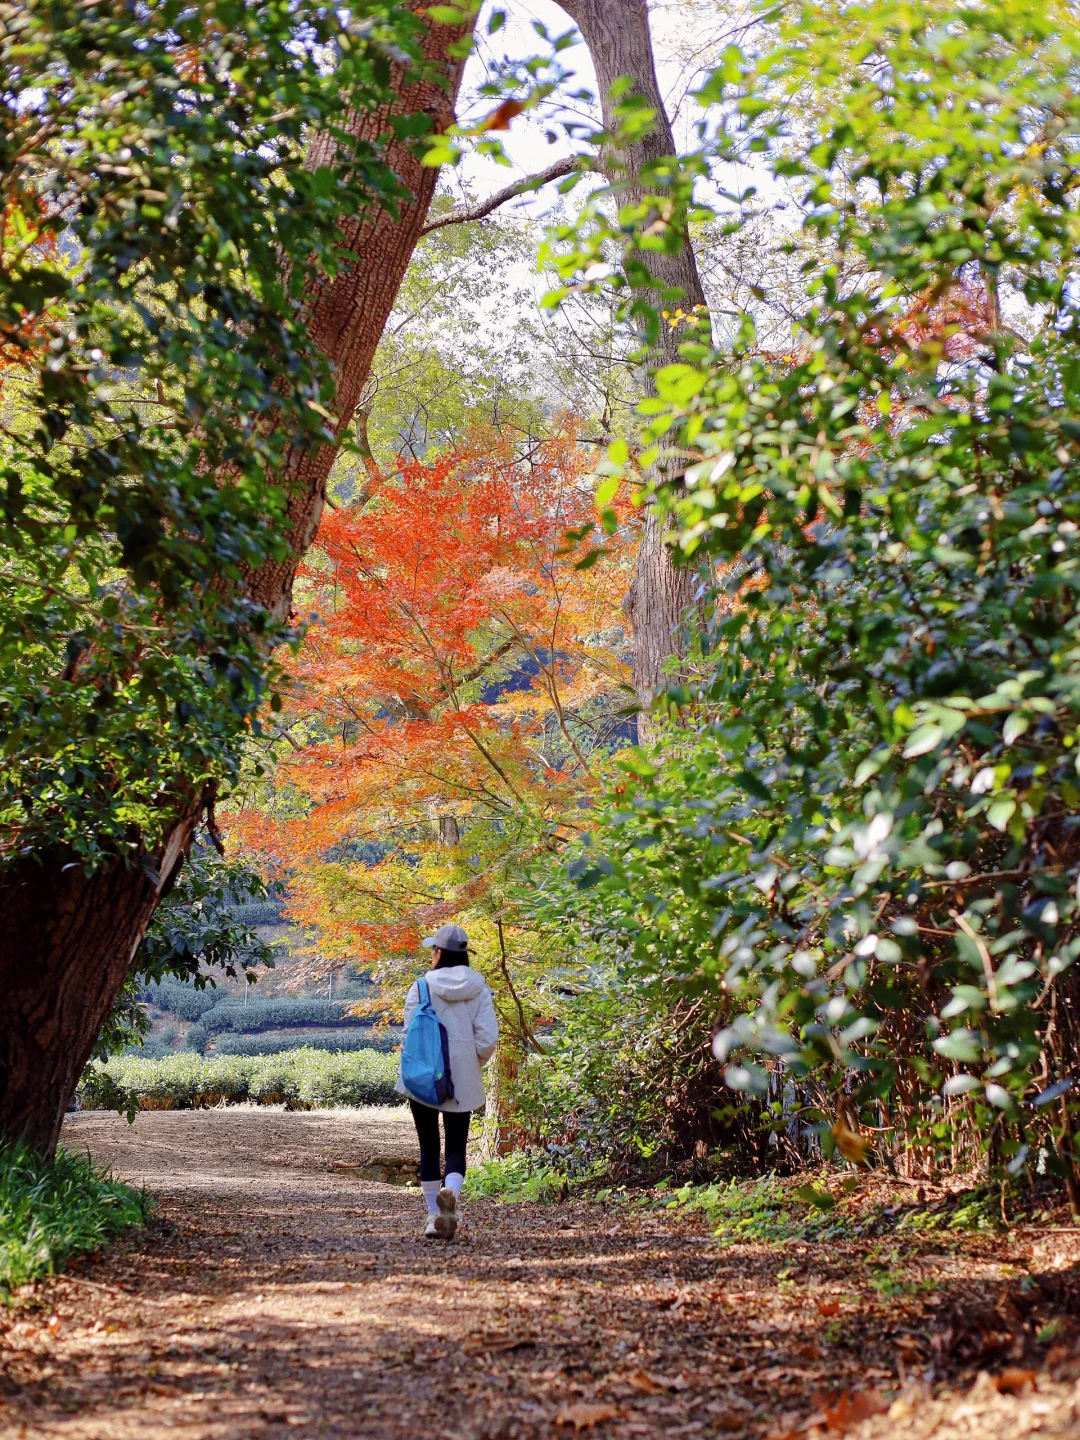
(430, 1229)
(446, 1220)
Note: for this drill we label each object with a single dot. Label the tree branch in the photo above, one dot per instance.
(464, 213)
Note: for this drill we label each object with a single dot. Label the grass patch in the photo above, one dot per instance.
(53, 1209)
(304, 1079)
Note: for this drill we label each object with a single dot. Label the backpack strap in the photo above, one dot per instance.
(422, 992)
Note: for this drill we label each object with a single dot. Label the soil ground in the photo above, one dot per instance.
(274, 1295)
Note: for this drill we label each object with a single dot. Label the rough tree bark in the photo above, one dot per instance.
(619, 42)
(68, 939)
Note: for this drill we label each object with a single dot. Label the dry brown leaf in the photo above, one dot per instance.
(643, 1381)
(828, 1307)
(729, 1421)
(500, 117)
(851, 1145)
(1013, 1380)
(655, 1384)
(583, 1415)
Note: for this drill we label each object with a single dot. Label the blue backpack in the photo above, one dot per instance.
(425, 1056)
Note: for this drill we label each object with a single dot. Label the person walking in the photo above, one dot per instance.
(463, 1002)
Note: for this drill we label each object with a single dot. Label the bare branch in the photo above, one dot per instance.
(465, 213)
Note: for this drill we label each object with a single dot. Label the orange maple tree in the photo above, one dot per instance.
(455, 697)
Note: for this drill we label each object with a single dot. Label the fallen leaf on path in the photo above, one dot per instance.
(583, 1415)
(1013, 1380)
(828, 1307)
(496, 1344)
(656, 1384)
(790, 1427)
(851, 1408)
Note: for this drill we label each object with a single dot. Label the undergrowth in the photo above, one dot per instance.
(768, 1209)
(53, 1209)
(514, 1178)
(773, 1210)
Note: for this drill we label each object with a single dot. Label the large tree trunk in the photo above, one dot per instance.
(68, 939)
(617, 34)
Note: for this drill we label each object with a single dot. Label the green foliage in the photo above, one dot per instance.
(301, 1079)
(337, 1041)
(51, 1209)
(200, 925)
(860, 830)
(161, 233)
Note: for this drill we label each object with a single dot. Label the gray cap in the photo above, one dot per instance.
(448, 937)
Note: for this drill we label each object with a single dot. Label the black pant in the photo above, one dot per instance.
(456, 1125)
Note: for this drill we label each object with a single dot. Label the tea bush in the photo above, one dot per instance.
(256, 1015)
(338, 1041)
(181, 1000)
(304, 1079)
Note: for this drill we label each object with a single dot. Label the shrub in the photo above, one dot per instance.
(862, 833)
(52, 1209)
(627, 1089)
(301, 1079)
(338, 1041)
(150, 1049)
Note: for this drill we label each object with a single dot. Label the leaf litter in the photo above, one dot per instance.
(273, 1294)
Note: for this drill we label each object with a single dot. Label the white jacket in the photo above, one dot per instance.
(462, 1000)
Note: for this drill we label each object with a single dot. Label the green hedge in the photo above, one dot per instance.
(301, 1079)
(256, 1015)
(51, 1209)
(182, 1000)
(338, 1041)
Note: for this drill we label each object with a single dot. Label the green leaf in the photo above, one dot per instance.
(1015, 725)
(605, 492)
(961, 1045)
(1001, 812)
(923, 740)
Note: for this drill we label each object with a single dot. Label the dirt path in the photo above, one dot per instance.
(275, 1296)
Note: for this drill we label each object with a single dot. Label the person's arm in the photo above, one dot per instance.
(486, 1028)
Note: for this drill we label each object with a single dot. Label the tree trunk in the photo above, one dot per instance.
(70, 939)
(617, 35)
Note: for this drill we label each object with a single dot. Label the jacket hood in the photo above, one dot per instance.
(456, 982)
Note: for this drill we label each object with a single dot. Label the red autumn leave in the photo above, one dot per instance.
(461, 681)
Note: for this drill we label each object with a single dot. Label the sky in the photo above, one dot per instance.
(685, 38)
